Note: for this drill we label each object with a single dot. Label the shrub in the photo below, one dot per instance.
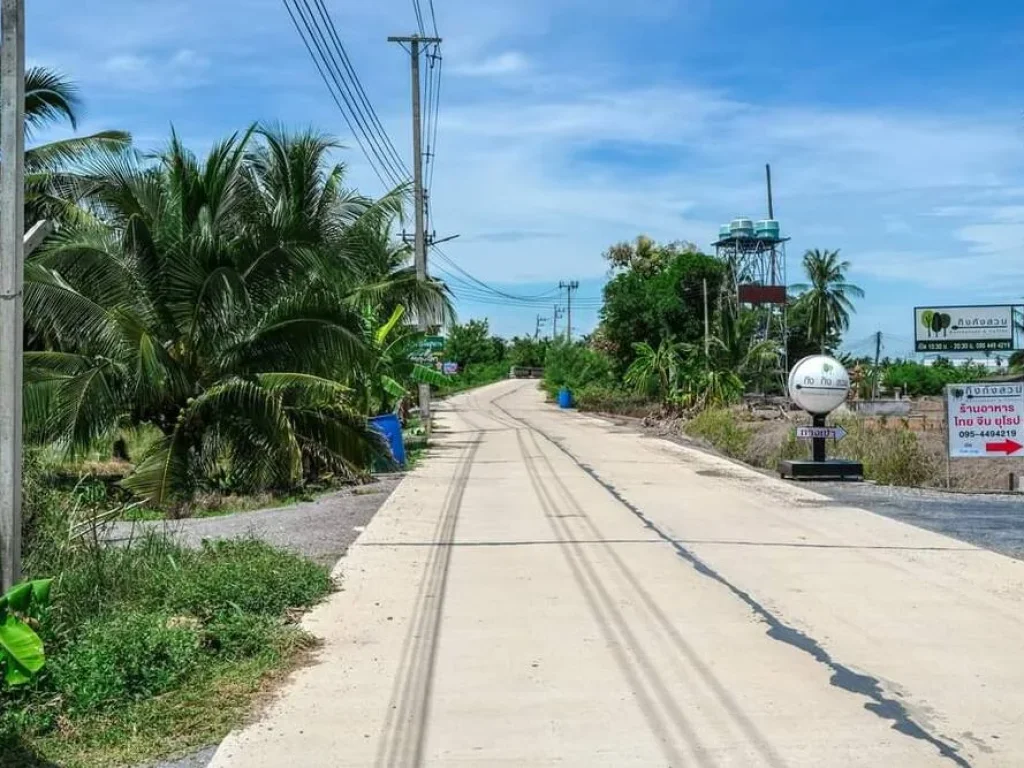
(575, 366)
(722, 429)
(244, 635)
(119, 658)
(600, 397)
(245, 576)
(890, 456)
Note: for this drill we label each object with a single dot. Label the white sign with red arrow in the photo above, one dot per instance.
(985, 420)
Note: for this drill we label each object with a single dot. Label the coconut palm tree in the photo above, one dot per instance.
(656, 371)
(212, 299)
(826, 298)
(53, 183)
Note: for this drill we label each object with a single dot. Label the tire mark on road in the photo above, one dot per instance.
(732, 708)
(619, 639)
(842, 677)
(403, 736)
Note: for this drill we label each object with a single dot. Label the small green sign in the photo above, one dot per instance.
(432, 343)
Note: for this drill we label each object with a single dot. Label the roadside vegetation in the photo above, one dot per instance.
(650, 358)
(204, 334)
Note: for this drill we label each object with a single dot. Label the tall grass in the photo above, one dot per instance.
(133, 624)
(890, 457)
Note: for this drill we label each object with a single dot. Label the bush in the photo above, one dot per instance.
(890, 456)
(245, 576)
(915, 379)
(131, 627)
(600, 397)
(120, 658)
(575, 366)
(721, 428)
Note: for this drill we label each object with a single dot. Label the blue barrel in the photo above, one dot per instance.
(389, 426)
(564, 398)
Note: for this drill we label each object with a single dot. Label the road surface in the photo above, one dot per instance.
(548, 589)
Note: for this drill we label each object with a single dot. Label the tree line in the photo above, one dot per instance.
(247, 305)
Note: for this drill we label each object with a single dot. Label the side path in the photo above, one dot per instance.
(546, 589)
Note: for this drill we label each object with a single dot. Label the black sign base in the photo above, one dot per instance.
(831, 469)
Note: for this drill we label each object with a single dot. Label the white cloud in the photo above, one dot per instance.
(508, 63)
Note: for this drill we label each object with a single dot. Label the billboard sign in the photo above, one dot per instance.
(984, 420)
(963, 329)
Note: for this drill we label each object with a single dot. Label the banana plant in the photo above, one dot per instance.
(394, 367)
(21, 649)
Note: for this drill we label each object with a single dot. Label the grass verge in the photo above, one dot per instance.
(152, 649)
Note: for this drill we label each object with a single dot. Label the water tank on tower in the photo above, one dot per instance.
(742, 228)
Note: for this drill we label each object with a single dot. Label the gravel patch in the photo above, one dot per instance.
(321, 530)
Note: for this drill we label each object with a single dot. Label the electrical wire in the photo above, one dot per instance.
(418, 10)
(433, 18)
(478, 287)
(435, 111)
(393, 153)
(372, 140)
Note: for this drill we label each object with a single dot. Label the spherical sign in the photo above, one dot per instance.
(819, 384)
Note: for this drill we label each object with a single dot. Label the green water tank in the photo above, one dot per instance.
(742, 228)
(767, 229)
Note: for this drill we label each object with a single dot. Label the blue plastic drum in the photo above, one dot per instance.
(390, 427)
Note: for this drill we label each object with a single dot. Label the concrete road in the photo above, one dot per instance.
(548, 589)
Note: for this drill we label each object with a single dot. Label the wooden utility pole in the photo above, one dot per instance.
(12, 231)
(415, 41)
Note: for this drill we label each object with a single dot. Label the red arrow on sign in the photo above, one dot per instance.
(1007, 447)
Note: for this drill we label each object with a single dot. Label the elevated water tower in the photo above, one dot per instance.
(755, 254)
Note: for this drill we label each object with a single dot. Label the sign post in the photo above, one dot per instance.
(819, 384)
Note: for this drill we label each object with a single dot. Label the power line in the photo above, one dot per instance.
(433, 18)
(377, 137)
(435, 112)
(368, 132)
(418, 10)
(330, 89)
(347, 63)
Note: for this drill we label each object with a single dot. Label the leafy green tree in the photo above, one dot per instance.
(219, 301)
(649, 306)
(527, 352)
(826, 297)
(472, 343)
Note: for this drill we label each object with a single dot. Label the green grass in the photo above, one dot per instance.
(154, 649)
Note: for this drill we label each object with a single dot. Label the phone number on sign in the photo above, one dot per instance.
(970, 433)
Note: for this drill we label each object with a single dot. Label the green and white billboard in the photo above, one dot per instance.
(963, 329)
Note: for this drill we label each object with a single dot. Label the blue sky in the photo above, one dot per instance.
(895, 129)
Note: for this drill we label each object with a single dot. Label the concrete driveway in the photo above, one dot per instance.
(548, 589)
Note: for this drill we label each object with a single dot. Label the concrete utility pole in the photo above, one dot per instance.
(554, 321)
(707, 325)
(415, 41)
(570, 286)
(878, 357)
(12, 231)
(540, 321)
